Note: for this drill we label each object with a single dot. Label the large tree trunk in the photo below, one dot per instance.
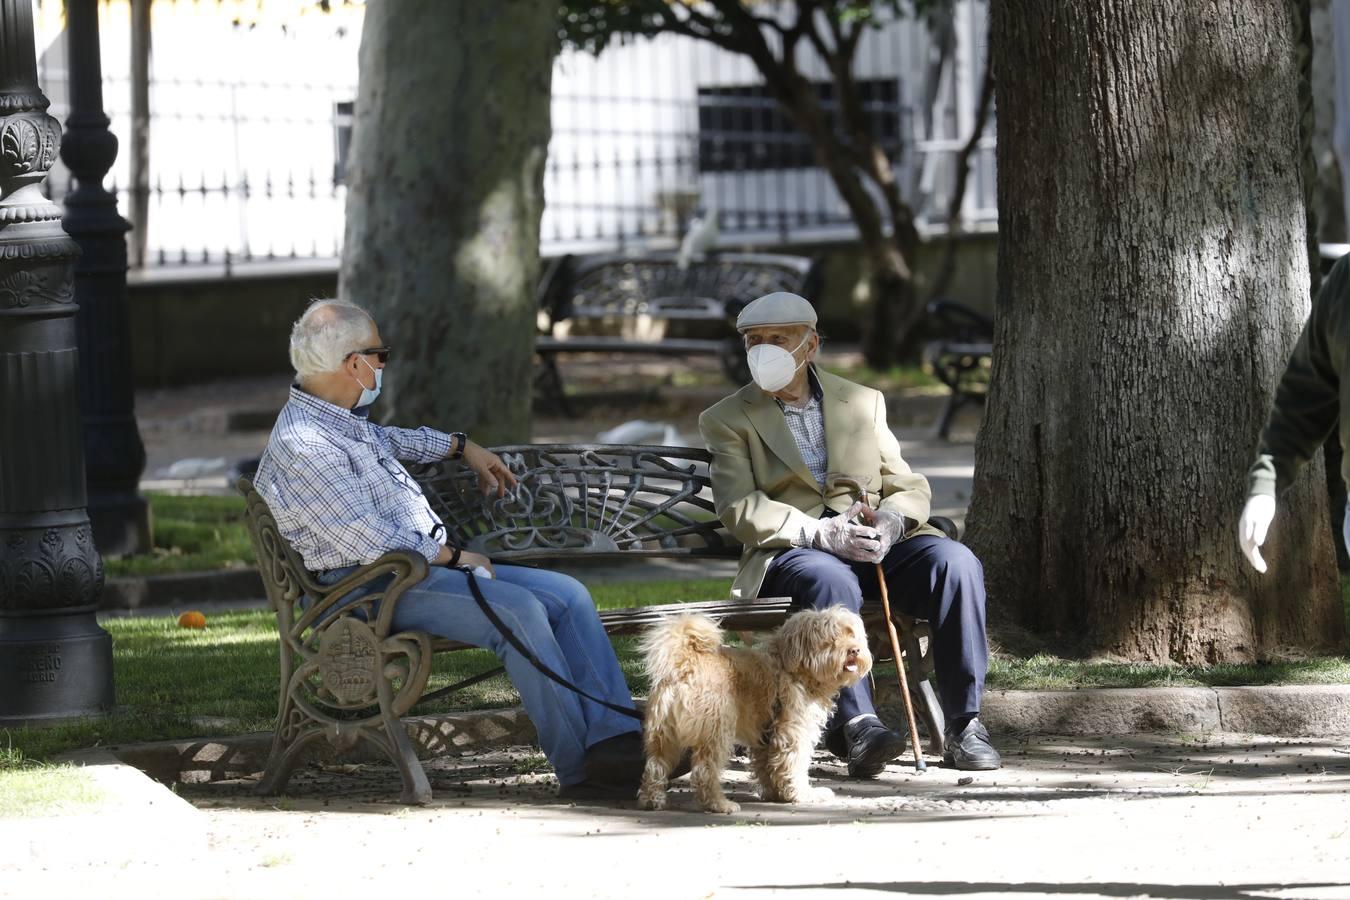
(1153, 278)
(445, 197)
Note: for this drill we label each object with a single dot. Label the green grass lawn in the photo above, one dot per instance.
(176, 682)
(30, 789)
(191, 534)
(890, 380)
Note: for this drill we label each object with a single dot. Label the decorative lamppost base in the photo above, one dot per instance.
(54, 668)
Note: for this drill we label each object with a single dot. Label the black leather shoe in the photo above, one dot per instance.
(970, 749)
(616, 761)
(870, 746)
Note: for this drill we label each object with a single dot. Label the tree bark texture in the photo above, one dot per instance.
(445, 196)
(1153, 277)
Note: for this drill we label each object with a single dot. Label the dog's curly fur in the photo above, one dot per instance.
(707, 697)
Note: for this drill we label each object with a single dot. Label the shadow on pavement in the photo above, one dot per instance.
(1104, 889)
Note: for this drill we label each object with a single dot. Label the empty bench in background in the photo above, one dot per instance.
(640, 296)
(961, 358)
(347, 677)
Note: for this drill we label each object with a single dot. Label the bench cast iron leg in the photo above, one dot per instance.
(926, 705)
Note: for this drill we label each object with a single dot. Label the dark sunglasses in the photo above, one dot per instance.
(381, 352)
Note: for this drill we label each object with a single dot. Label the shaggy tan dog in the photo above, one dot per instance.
(775, 700)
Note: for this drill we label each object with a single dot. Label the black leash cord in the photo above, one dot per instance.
(525, 651)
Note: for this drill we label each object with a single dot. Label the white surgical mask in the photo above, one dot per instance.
(773, 368)
(367, 395)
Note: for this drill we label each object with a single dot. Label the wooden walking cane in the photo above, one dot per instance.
(900, 668)
(919, 764)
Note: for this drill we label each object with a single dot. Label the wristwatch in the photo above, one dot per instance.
(459, 440)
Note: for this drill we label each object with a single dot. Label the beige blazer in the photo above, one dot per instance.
(762, 488)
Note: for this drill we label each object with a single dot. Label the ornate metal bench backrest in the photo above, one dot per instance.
(285, 578)
(655, 285)
(594, 499)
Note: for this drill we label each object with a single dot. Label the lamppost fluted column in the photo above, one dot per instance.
(55, 661)
(114, 455)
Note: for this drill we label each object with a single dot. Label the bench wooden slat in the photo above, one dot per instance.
(975, 349)
(604, 344)
(759, 614)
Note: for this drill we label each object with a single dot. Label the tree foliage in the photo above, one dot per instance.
(778, 36)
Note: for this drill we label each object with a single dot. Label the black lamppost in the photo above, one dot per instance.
(114, 455)
(55, 660)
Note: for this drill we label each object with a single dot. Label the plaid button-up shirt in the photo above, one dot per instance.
(807, 424)
(338, 490)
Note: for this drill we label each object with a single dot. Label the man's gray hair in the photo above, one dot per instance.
(327, 333)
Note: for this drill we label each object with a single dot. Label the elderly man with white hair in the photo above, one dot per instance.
(336, 483)
(779, 447)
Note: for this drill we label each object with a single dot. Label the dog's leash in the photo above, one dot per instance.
(524, 651)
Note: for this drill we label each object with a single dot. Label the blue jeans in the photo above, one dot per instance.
(551, 614)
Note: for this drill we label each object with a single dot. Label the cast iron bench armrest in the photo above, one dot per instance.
(407, 568)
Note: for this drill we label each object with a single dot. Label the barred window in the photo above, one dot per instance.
(742, 127)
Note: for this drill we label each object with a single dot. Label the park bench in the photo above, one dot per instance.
(643, 296)
(960, 356)
(345, 675)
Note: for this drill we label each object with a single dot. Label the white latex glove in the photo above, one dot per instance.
(889, 524)
(1252, 528)
(841, 537)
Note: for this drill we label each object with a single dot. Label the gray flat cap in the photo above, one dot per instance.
(778, 308)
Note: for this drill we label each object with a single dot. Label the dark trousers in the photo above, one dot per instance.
(933, 578)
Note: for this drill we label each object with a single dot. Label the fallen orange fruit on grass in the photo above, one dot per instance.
(192, 619)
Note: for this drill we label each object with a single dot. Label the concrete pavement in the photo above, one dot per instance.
(1201, 816)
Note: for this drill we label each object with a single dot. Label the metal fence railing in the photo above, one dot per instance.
(248, 169)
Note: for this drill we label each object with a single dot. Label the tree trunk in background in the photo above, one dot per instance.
(445, 194)
(1153, 277)
(1329, 207)
(1340, 119)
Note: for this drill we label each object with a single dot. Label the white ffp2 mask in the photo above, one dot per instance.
(772, 368)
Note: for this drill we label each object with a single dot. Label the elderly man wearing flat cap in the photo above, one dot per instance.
(778, 446)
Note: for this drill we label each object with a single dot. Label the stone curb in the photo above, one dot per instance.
(187, 589)
(1284, 711)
